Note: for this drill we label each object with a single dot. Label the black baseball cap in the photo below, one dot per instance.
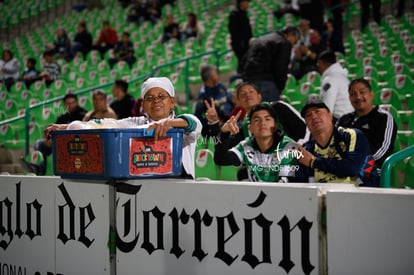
(313, 103)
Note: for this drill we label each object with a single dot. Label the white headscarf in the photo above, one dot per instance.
(160, 82)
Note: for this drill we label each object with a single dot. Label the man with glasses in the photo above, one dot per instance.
(158, 105)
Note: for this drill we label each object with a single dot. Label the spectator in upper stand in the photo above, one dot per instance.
(30, 74)
(240, 30)
(191, 28)
(153, 12)
(327, 35)
(305, 57)
(312, 10)
(171, 29)
(61, 45)
(123, 101)
(304, 27)
(267, 60)
(287, 6)
(107, 39)
(9, 69)
(212, 89)
(83, 40)
(100, 108)
(51, 69)
(334, 84)
(335, 42)
(365, 12)
(94, 4)
(123, 51)
(377, 125)
(136, 13)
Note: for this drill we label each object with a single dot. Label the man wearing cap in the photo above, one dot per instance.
(158, 105)
(334, 154)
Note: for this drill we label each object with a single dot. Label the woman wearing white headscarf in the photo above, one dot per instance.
(158, 105)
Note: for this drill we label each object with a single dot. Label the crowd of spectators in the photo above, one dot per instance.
(254, 123)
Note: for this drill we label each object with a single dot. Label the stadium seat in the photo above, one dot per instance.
(313, 78)
(403, 84)
(43, 115)
(85, 101)
(59, 88)
(7, 132)
(21, 98)
(35, 132)
(37, 88)
(10, 108)
(228, 173)
(17, 87)
(388, 96)
(205, 168)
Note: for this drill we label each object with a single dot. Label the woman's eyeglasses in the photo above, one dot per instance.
(151, 98)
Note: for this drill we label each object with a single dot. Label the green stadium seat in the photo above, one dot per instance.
(388, 96)
(205, 168)
(10, 108)
(35, 132)
(403, 84)
(85, 101)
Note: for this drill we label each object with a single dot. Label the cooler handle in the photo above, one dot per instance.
(149, 134)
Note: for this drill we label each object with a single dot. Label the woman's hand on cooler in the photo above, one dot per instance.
(160, 127)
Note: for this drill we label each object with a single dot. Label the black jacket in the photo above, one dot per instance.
(268, 59)
(123, 108)
(240, 32)
(380, 129)
(70, 117)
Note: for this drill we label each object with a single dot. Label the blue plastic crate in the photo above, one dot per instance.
(105, 154)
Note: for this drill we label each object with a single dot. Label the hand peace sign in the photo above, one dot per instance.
(211, 113)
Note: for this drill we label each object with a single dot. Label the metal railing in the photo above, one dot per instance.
(185, 74)
(390, 162)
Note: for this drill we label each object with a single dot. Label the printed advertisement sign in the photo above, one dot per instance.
(79, 154)
(170, 227)
(150, 157)
(49, 226)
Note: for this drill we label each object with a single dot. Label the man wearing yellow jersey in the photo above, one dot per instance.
(333, 154)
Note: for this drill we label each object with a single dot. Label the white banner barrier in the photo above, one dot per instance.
(50, 226)
(370, 231)
(53, 226)
(217, 228)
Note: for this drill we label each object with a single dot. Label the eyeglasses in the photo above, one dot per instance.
(151, 98)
